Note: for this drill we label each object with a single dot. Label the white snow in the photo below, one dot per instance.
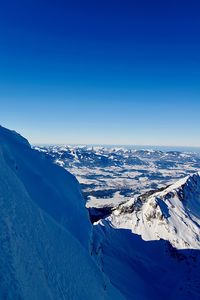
(45, 234)
(172, 214)
(123, 170)
(148, 249)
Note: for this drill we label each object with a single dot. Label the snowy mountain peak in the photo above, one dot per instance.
(183, 188)
(11, 136)
(172, 214)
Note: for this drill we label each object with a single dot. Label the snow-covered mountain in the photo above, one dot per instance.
(147, 249)
(45, 233)
(154, 241)
(86, 156)
(172, 214)
(146, 270)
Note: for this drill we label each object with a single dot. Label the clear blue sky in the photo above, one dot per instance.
(112, 72)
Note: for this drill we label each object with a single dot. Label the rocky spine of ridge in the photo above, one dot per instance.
(172, 213)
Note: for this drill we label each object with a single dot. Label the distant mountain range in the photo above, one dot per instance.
(69, 156)
(110, 176)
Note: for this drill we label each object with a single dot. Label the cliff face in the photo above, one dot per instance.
(45, 231)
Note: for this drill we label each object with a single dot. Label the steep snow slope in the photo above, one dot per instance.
(45, 231)
(147, 270)
(46, 184)
(150, 246)
(172, 214)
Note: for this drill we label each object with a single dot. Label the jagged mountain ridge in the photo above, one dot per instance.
(154, 241)
(172, 214)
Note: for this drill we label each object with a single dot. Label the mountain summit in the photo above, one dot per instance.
(150, 245)
(172, 214)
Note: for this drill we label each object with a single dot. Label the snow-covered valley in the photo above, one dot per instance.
(109, 176)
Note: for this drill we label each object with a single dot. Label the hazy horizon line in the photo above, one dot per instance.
(115, 145)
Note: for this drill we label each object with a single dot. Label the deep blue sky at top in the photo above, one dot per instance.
(122, 72)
